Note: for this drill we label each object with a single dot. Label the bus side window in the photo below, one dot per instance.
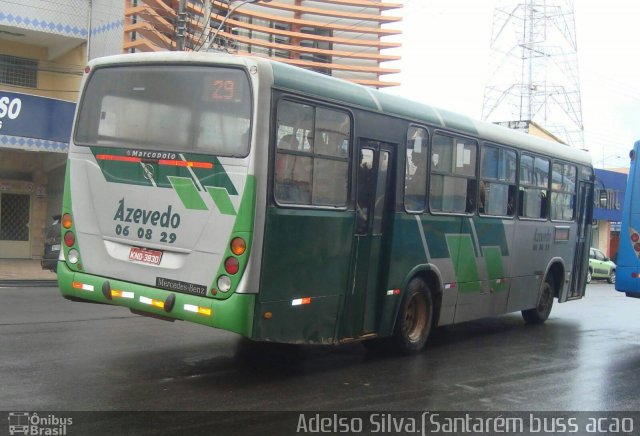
(292, 174)
(534, 179)
(453, 186)
(498, 181)
(312, 155)
(563, 191)
(415, 186)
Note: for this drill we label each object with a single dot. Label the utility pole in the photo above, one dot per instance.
(206, 19)
(181, 26)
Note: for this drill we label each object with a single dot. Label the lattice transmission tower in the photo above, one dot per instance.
(534, 68)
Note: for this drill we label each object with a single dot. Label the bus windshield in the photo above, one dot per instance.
(197, 109)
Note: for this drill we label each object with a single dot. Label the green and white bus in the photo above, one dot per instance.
(288, 206)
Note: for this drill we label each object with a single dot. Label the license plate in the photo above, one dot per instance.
(145, 255)
(55, 247)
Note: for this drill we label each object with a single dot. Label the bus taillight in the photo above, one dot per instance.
(231, 265)
(69, 239)
(238, 246)
(67, 222)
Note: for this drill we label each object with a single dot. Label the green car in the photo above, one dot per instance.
(600, 267)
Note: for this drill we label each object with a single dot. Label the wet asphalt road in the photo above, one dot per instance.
(59, 355)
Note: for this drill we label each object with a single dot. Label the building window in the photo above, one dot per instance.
(316, 44)
(281, 39)
(607, 199)
(17, 71)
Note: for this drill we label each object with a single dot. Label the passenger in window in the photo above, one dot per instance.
(511, 200)
(366, 189)
(416, 183)
(482, 197)
(288, 142)
(471, 196)
(290, 185)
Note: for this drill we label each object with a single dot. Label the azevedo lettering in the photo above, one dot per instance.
(165, 219)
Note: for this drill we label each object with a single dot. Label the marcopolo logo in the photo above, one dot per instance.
(164, 219)
(146, 154)
(26, 423)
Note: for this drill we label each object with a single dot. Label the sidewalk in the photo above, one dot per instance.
(23, 269)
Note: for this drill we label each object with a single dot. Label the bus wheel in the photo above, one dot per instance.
(540, 313)
(414, 318)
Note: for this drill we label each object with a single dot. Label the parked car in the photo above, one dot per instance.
(52, 245)
(600, 267)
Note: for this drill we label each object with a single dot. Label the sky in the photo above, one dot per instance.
(446, 54)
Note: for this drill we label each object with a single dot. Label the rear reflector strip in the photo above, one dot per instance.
(197, 309)
(121, 294)
(83, 286)
(301, 301)
(150, 302)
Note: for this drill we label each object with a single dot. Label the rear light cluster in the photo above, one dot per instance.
(635, 240)
(70, 239)
(231, 264)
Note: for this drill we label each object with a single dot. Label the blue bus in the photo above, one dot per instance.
(628, 261)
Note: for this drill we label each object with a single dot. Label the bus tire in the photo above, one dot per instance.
(540, 313)
(415, 318)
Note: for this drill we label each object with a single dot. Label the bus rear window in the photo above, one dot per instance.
(193, 109)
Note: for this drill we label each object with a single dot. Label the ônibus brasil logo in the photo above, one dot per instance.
(27, 423)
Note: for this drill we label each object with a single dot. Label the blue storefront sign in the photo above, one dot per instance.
(34, 122)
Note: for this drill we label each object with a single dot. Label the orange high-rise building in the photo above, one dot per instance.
(343, 38)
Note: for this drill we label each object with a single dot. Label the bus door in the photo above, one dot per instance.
(580, 261)
(373, 209)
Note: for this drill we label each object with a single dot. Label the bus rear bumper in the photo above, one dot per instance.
(628, 281)
(234, 314)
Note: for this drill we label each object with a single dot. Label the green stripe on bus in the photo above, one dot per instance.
(217, 176)
(188, 193)
(464, 262)
(244, 220)
(495, 268)
(242, 227)
(221, 199)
